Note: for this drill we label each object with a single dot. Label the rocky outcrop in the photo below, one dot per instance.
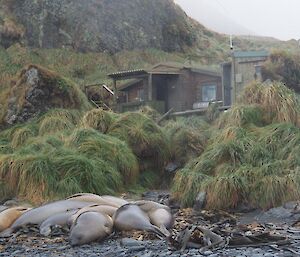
(38, 90)
(104, 25)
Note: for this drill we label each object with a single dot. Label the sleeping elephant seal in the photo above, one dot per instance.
(60, 219)
(160, 215)
(103, 200)
(131, 217)
(104, 209)
(3, 208)
(8, 216)
(37, 215)
(89, 227)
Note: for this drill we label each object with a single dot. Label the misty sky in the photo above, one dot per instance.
(276, 18)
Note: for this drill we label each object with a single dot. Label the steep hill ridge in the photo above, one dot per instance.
(103, 25)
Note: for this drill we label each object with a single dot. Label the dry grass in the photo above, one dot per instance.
(99, 119)
(278, 103)
(254, 156)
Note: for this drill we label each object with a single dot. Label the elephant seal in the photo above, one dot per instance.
(3, 208)
(104, 209)
(131, 217)
(103, 200)
(8, 216)
(60, 219)
(160, 215)
(89, 227)
(37, 215)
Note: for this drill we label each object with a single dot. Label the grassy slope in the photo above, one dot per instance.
(252, 156)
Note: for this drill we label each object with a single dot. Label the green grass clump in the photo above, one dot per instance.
(53, 125)
(144, 136)
(89, 175)
(93, 144)
(99, 119)
(253, 157)
(186, 142)
(241, 115)
(278, 103)
(21, 135)
(150, 112)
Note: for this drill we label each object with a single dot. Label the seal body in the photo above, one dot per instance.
(131, 217)
(89, 227)
(102, 200)
(3, 208)
(37, 215)
(160, 215)
(104, 209)
(59, 219)
(8, 216)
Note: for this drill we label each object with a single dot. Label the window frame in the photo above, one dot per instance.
(204, 87)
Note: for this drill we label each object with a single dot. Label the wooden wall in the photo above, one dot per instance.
(182, 94)
(177, 91)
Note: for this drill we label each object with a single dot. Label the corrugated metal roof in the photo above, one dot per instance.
(122, 74)
(247, 54)
(171, 68)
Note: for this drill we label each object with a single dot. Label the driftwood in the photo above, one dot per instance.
(207, 239)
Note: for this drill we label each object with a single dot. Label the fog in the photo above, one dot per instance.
(274, 18)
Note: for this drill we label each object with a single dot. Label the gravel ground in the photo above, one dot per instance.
(28, 242)
(33, 245)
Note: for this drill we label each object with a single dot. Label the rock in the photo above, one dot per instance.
(171, 167)
(38, 90)
(136, 248)
(291, 205)
(200, 201)
(129, 242)
(11, 203)
(149, 254)
(101, 26)
(206, 253)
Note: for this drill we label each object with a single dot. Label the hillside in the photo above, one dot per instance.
(85, 40)
(103, 25)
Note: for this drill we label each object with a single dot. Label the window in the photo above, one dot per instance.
(209, 93)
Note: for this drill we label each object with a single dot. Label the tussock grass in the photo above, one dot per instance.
(29, 175)
(53, 125)
(99, 146)
(71, 115)
(21, 135)
(99, 119)
(185, 142)
(150, 112)
(96, 176)
(254, 156)
(278, 103)
(187, 184)
(241, 115)
(225, 191)
(149, 179)
(273, 190)
(144, 137)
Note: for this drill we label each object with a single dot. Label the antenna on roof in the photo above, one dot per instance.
(231, 43)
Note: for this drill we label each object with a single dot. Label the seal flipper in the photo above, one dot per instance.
(157, 231)
(7, 233)
(165, 231)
